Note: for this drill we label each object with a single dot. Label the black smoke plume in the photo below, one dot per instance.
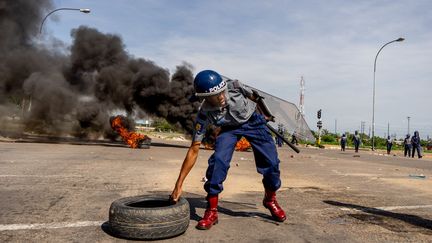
(56, 93)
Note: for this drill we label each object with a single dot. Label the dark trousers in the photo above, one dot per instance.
(264, 149)
(343, 147)
(279, 141)
(418, 148)
(389, 147)
(407, 150)
(356, 146)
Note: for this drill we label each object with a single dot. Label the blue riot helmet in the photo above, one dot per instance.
(208, 82)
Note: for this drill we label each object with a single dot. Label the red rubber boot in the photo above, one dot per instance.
(271, 204)
(210, 216)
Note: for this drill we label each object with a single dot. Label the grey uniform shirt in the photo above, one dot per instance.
(237, 111)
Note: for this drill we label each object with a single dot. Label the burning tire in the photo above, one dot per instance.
(148, 217)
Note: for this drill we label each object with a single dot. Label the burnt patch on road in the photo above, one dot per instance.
(396, 222)
(393, 224)
(381, 221)
(54, 201)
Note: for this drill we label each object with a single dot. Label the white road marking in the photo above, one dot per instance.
(42, 176)
(336, 172)
(4, 227)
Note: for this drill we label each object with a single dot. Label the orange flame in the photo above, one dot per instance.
(133, 139)
(243, 145)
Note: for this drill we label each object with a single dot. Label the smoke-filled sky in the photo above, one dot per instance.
(58, 88)
(271, 44)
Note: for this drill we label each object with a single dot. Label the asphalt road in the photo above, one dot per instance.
(59, 192)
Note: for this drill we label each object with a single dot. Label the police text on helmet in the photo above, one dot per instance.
(217, 87)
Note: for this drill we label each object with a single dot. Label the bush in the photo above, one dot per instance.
(328, 138)
(163, 126)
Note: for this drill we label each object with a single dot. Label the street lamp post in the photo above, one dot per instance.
(82, 10)
(373, 102)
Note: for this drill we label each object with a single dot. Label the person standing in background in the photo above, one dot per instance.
(407, 146)
(415, 142)
(356, 140)
(389, 144)
(280, 131)
(343, 142)
(294, 139)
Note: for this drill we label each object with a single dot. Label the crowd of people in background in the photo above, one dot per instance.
(281, 130)
(411, 144)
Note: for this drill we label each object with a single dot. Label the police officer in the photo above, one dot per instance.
(280, 131)
(356, 140)
(228, 104)
(294, 138)
(407, 145)
(389, 144)
(343, 142)
(415, 142)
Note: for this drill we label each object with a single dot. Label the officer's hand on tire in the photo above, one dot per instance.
(148, 217)
(175, 195)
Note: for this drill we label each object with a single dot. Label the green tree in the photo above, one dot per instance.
(163, 125)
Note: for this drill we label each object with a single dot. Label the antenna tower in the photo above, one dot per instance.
(302, 91)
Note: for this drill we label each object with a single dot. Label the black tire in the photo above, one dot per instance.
(148, 217)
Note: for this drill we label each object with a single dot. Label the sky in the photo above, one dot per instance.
(270, 45)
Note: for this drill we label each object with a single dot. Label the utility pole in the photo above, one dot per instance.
(335, 126)
(302, 91)
(319, 125)
(362, 127)
(408, 124)
(388, 129)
